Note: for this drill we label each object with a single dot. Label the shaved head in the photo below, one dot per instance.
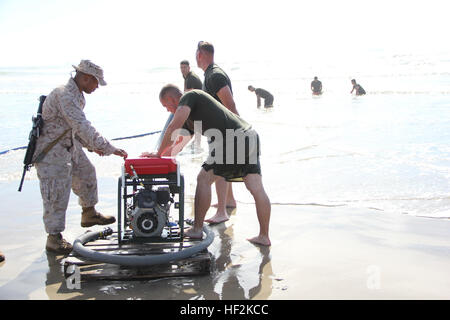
(170, 90)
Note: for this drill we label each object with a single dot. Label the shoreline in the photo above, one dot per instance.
(316, 253)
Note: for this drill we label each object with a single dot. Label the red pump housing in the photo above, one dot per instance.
(150, 166)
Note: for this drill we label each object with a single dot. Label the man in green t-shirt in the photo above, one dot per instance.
(233, 154)
(261, 93)
(316, 87)
(359, 91)
(218, 85)
(191, 80)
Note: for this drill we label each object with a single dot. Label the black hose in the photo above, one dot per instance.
(136, 260)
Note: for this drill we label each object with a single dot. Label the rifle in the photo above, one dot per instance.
(35, 132)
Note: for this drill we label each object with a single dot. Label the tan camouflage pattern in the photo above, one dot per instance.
(86, 66)
(62, 110)
(66, 166)
(55, 183)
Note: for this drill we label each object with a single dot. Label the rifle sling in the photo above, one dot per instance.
(49, 147)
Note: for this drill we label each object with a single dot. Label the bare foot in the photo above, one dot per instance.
(194, 234)
(261, 240)
(218, 218)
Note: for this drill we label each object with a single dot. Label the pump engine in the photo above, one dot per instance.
(151, 212)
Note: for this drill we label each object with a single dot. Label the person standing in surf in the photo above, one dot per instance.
(316, 87)
(218, 85)
(261, 93)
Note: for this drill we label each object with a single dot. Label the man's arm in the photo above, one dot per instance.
(258, 101)
(226, 97)
(179, 118)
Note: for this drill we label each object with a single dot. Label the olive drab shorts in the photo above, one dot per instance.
(56, 181)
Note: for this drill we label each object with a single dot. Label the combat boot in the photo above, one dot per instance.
(91, 217)
(57, 244)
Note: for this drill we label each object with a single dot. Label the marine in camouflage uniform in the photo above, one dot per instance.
(65, 166)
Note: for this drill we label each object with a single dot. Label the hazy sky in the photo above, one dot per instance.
(47, 32)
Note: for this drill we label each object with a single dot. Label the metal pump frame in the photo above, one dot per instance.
(175, 182)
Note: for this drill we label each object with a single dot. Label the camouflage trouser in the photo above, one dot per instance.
(56, 181)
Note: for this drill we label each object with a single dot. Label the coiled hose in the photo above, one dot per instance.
(136, 260)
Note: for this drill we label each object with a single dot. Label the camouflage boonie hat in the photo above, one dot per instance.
(86, 66)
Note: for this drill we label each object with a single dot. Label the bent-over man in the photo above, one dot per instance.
(359, 91)
(264, 94)
(233, 152)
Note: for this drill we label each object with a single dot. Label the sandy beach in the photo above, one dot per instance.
(317, 252)
(359, 184)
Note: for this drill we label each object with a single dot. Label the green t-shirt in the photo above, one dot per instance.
(316, 85)
(211, 113)
(263, 93)
(215, 79)
(192, 81)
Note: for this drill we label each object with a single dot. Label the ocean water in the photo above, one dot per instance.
(388, 150)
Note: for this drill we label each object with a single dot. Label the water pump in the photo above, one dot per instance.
(148, 191)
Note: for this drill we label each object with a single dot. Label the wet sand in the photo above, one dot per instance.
(317, 252)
